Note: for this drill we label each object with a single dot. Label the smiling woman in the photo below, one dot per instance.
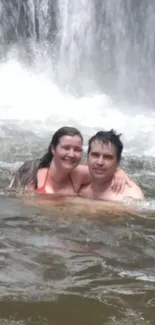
(63, 156)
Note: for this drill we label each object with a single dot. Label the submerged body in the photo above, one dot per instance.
(74, 207)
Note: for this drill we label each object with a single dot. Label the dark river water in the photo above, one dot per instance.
(57, 270)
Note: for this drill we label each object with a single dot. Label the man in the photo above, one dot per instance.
(104, 155)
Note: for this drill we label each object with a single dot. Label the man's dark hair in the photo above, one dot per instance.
(108, 137)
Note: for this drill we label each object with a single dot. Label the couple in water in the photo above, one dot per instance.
(59, 171)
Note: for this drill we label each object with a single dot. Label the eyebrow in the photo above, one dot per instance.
(103, 154)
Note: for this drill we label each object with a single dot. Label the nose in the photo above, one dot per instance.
(71, 153)
(100, 161)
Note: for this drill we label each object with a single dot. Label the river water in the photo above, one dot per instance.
(90, 65)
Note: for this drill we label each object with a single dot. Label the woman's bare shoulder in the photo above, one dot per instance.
(41, 175)
(42, 171)
(80, 171)
(80, 176)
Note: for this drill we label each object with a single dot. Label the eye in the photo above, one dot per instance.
(109, 157)
(66, 147)
(78, 149)
(95, 154)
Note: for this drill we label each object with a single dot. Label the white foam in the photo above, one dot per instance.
(30, 94)
(137, 275)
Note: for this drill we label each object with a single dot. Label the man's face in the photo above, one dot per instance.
(102, 161)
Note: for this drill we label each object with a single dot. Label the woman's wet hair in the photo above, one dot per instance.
(26, 175)
(45, 161)
(108, 137)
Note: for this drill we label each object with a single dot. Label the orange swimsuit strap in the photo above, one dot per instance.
(42, 189)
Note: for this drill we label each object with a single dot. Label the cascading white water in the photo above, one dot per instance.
(77, 63)
(76, 26)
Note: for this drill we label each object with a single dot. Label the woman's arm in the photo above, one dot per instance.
(120, 180)
(80, 176)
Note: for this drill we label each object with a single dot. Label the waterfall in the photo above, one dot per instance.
(86, 63)
(92, 45)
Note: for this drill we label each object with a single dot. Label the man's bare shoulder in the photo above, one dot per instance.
(134, 191)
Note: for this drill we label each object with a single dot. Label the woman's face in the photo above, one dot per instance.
(67, 154)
